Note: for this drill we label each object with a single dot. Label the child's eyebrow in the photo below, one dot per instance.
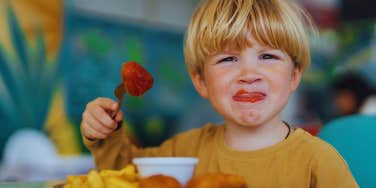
(225, 52)
(269, 49)
(275, 51)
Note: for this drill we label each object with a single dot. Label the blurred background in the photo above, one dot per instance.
(56, 56)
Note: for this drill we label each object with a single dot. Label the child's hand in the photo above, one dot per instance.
(96, 119)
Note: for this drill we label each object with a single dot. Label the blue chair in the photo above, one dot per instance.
(355, 139)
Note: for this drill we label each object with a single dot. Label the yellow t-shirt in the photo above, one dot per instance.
(300, 161)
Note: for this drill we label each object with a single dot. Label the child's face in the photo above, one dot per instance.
(250, 87)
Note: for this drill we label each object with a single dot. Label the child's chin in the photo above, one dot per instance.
(250, 119)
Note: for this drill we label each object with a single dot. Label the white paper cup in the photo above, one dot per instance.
(180, 168)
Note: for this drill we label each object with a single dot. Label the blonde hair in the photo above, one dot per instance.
(219, 24)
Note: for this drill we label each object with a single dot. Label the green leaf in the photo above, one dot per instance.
(8, 77)
(18, 39)
(29, 80)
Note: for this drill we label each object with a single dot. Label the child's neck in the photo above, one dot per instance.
(254, 138)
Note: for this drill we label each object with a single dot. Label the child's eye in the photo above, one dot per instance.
(269, 56)
(228, 59)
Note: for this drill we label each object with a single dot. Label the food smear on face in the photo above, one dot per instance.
(136, 79)
(245, 96)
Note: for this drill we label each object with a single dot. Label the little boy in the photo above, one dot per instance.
(246, 57)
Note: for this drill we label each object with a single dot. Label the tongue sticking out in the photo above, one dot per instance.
(252, 97)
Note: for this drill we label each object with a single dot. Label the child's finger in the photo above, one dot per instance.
(91, 133)
(106, 103)
(87, 129)
(102, 116)
(98, 126)
(119, 116)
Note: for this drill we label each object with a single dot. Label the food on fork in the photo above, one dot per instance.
(136, 79)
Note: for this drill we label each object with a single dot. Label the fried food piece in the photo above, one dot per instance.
(136, 79)
(94, 180)
(119, 182)
(127, 174)
(217, 180)
(75, 181)
(159, 181)
(124, 178)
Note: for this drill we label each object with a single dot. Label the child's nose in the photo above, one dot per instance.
(249, 74)
(249, 80)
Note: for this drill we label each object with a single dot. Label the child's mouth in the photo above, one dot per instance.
(245, 96)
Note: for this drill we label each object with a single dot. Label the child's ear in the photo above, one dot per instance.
(200, 84)
(296, 78)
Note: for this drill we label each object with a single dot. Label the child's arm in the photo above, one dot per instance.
(116, 151)
(112, 152)
(100, 134)
(112, 148)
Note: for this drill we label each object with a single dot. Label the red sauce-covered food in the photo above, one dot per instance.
(136, 79)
